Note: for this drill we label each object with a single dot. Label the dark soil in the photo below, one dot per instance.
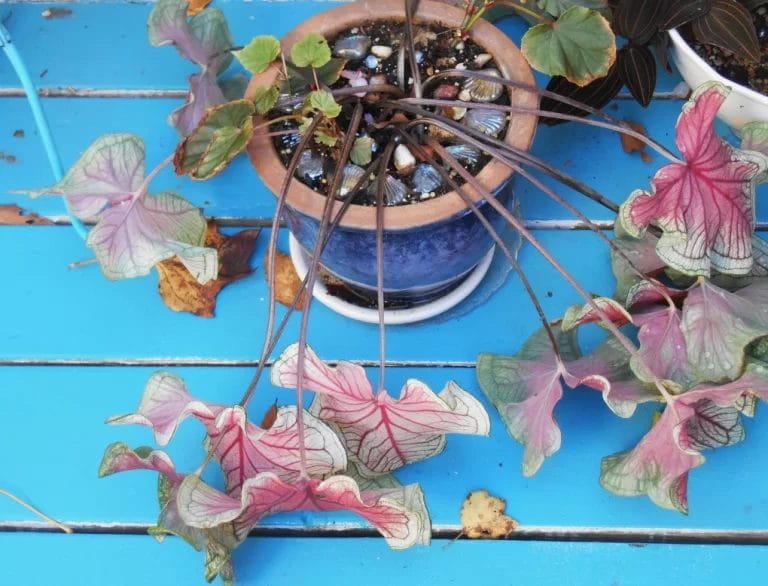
(440, 49)
(750, 74)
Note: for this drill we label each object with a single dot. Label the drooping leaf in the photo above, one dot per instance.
(398, 514)
(217, 543)
(577, 315)
(265, 98)
(705, 206)
(484, 516)
(719, 325)
(242, 448)
(580, 46)
(259, 54)
(652, 292)
(287, 282)
(597, 94)
(658, 466)
(381, 433)
(181, 292)
(221, 135)
(637, 69)
(204, 93)
(311, 51)
(728, 24)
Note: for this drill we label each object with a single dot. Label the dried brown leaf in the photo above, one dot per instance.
(630, 144)
(269, 417)
(287, 282)
(483, 516)
(13, 215)
(179, 289)
(196, 6)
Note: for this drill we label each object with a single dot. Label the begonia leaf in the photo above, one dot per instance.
(324, 102)
(577, 315)
(133, 231)
(382, 433)
(705, 205)
(718, 326)
(557, 7)
(658, 466)
(217, 543)
(242, 448)
(579, 45)
(259, 53)
(398, 514)
(312, 50)
(222, 134)
(265, 98)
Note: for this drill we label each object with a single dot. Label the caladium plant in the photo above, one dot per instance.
(696, 353)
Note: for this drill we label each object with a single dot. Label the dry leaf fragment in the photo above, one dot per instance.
(630, 144)
(287, 282)
(179, 289)
(269, 417)
(483, 516)
(196, 6)
(13, 215)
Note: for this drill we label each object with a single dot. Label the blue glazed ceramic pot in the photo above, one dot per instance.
(429, 246)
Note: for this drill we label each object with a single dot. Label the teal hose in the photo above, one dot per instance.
(42, 124)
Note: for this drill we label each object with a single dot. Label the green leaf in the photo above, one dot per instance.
(361, 151)
(301, 78)
(265, 98)
(311, 51)
(324, 102)
(222, 134)
(580, 46)
(754, 137)
(325, 137)
(557, 7)
(257, 55)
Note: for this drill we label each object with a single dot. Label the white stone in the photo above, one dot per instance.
(381, 51)
(405, 162)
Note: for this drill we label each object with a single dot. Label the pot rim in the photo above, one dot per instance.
(520, 131)
(736, 88)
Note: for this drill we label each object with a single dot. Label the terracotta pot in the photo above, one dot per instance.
(430, 245)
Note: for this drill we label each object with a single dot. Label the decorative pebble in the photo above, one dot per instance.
(445, 91)
(311, 168)
(352, 47)
(381, 51)
(419, 56)
(426, 179)
(404, 160)
(464, 154)
(490, 122)
(352, 174)
(482, 60)
(371, 62)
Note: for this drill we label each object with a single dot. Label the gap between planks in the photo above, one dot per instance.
(171, 362)
(628, 535)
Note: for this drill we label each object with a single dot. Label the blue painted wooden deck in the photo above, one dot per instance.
(75, 349)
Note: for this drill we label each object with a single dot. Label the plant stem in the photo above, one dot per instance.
(36, 511)
(411, 6)
(152, 174)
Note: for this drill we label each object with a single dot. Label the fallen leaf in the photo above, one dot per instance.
(269, 417)
(181, 291)
(18, 133)
(196, 6)
(287, 282)
(630, 144)
(484, 516)
(13, 215)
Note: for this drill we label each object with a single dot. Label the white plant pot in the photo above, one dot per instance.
(743, 104)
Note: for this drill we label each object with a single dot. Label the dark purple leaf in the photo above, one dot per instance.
(680, 12)
(729, 25)
(639, 20)
(596, 94)
(637, 69)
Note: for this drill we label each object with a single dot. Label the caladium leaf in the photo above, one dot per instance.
(651, 292)
(713, 426)
(754, 137)
(204, 39)
(382, 433)
(704, 206)
(222, 134)
(242, 448)
(398, 514)
(663, 348)
(217, 543)
(658, 466)
(642, 253)
(579, 45)
(134, 231)
(719, 325)
(577, 315)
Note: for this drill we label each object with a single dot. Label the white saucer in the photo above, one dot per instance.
(391, 316)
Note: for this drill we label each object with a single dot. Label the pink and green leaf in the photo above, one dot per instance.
(578, 315)
(382, 433)
(705, 204)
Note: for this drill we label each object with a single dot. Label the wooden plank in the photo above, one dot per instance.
(61, 313)
(104, 45)
(592, 155)
(55, 423)
(125, 560)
